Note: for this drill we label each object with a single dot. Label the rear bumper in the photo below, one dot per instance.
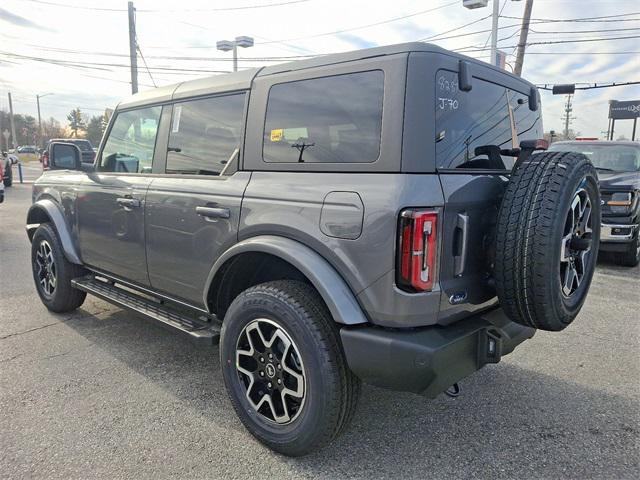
(429, 360)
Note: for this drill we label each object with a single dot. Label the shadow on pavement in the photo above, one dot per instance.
(508, 422)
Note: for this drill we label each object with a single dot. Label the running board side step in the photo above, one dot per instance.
(200, 332)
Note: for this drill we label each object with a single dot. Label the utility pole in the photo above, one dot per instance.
(568, 108)
(39, 123)
(14, 141)
(132, 48)
(1, 149)
(40, 132)
(494, 32)
(524, 33)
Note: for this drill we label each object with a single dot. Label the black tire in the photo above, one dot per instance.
(537, 240)
(330, 389)
(8, 175)
(631, 257)
(62, 297)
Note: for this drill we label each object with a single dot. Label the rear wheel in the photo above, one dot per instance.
(284, 367)
(52, 272)
(547, 239)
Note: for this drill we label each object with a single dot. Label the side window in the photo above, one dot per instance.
(325, 120)
(472, 126)
(129, 147)
(205, 135)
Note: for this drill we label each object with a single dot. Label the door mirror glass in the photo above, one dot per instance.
(64, 156)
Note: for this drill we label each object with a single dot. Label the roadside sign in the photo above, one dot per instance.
(624, 110)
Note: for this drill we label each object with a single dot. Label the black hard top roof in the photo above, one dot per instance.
(242, 80)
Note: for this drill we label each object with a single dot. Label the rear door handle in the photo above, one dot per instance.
(459, 261)
(213, 212)
(127, 202)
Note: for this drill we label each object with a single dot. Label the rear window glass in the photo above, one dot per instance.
(83, 145)
(334, 119)
(471, 127)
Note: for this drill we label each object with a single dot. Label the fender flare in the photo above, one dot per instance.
(52, 211)
(332, 288)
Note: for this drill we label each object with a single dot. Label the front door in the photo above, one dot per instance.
(192, 212)
(111, 200)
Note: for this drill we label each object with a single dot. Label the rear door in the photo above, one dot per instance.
(471, 128)
(193, 204)
(111, 199)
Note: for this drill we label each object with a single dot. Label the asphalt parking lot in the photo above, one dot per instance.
(101, 393)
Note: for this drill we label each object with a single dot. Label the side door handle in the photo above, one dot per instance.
(128, 203)
(213, 212)
(460, 259)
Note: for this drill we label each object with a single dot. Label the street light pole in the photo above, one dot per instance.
(226, 46)
(494, 32)
(235, 57)
(473, 4)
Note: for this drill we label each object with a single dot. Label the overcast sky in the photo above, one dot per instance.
(78, 50)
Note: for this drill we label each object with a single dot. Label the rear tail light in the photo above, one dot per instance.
(417, 250)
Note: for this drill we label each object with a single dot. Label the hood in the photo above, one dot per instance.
(619, 180)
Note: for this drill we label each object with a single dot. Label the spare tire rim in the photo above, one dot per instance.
(575, 248)
(270, 369)
(46, 268)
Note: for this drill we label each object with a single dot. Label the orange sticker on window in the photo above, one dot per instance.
(277, 134)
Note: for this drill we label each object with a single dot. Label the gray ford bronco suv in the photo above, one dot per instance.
(386, 216)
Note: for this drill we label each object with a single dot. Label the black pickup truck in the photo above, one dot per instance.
(618, 166)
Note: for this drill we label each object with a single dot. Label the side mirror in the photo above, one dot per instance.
(64, 156)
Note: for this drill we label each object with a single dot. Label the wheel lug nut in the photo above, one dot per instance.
(279, 381)
(270, 356)
(270, 385)
(261, 373)
(279, 367)
(262, 359)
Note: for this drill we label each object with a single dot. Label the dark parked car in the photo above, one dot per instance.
(8, 160)
(618, 165)
(374, 216)
(86, 149)
(1, 182)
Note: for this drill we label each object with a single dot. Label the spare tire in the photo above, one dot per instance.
(547, 239)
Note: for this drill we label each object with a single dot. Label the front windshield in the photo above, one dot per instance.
(618, 158)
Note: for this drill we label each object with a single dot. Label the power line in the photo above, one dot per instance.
(552, 42)
(336, 32)
(221, 9)
(580, 19)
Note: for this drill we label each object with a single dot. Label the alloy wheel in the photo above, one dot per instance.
(46, 268)
(270, 369)
(575, 248)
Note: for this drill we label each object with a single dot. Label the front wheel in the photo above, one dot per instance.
(52, 272)
(284, 368)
